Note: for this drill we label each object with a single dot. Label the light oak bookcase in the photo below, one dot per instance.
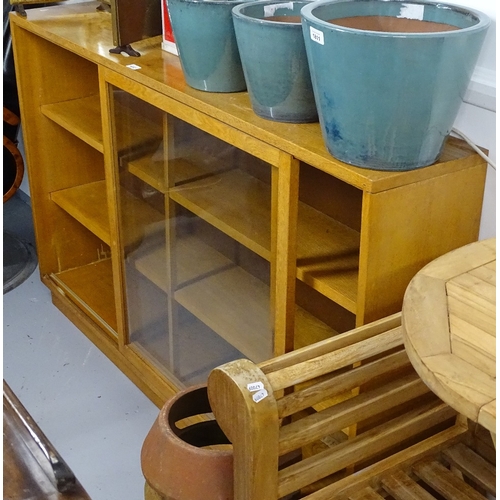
(178, 230)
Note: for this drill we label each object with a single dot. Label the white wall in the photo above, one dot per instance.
(477, 115)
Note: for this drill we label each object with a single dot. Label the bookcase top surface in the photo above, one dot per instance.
(87, 32)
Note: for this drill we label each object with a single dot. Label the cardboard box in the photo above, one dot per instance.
(168, 42)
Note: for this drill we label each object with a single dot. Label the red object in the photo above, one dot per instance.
(168, 43)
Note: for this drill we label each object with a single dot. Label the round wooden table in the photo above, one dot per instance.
(449, 327)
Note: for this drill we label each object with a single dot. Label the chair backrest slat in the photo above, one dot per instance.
(349, 412)
(340, 358)
(339, 383)
(331, 344)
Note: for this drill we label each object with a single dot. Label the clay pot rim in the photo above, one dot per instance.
(237, 12)
(167, 429)
(483, 21)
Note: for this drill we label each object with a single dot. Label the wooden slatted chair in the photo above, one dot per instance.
(347, 418)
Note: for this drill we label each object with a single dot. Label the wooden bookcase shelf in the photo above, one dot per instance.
(91, 289)
(329, 265)
(240, 315)
(216, 275)
(81, 117)
(179, 230)
(195, 260)
(218, 200)
(88, 205)
(150, 169)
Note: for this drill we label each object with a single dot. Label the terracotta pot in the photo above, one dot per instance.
(190, 463)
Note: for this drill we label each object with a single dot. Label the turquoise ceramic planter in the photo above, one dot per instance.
(388, 99)
(204, 34)
(273, 54)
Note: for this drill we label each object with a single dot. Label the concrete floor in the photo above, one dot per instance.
(94, 416)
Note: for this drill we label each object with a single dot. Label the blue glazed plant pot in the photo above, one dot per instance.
(204, 34)
(273, 54)
(389, 76)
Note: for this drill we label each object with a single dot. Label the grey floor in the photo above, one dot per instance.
(95, 417)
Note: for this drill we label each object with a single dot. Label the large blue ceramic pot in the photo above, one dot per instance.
(273, 54)
(204, 34)
(389, 76)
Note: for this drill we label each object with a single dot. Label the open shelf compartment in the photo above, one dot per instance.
(327, 250)
(90, 287)
(87, 203)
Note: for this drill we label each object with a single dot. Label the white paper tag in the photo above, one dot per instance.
(255, 386)
(259, 396)
(133, 66)
(316, 36)
(412, 11)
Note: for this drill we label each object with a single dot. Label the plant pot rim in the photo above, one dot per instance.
(237, 12)
(307, 13)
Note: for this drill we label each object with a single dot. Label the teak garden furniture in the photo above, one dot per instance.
(359, 418)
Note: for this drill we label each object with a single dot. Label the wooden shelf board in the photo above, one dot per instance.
(152, 168)
(234, 202)
(235, 305)
(81, 117)
(143, 217)
(194, 260)
(88, 205)
(327, 251)
(328, 256)
(151, 261)
(309, 329)
(90, 287)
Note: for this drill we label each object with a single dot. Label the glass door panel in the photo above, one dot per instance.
(195, 230)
